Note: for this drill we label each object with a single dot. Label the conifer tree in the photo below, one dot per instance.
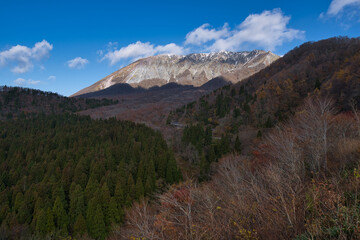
(90, 215)
(91, 188)
(77, 206)
(60, 216)
(171, 170)
(50, 225)
(119, 194)
(211, 155)
(139, 188)
(151, 174)
(204, 167)
(115, 215)
(131, 191)
(148, 186)
(237, 145)
(99, 228)
(208, 136)
(105, 202)
(80, 225)
(41, 228)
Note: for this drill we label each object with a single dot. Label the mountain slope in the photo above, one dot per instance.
(193, 69)
(328, 68)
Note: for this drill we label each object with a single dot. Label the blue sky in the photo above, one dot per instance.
(64, 46)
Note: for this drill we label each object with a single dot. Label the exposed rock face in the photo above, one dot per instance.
(193, 69)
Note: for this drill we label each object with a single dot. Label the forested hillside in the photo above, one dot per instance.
(18, 102)
(237, 113)
(300, 181)
(63, 175)
(327, 68)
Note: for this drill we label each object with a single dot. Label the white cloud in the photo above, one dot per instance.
(203, 34)
(266, 30)
(77, 63)
(170, 48)
(337, 6)
(22, 57)
(23, 82)
(140, 50)
(52, 77)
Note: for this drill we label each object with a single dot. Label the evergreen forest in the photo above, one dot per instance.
(66, 175)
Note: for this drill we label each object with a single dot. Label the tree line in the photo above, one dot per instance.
(16, 102)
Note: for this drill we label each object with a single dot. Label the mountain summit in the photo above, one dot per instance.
(193, 69)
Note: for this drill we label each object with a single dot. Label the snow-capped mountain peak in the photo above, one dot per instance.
(193, 69)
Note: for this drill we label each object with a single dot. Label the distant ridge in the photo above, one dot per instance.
(126, 89)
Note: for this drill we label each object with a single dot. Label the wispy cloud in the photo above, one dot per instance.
(266, 30)
(21, 57)
(337, 6)
(52, 78)
(24, 82)
(77, 63)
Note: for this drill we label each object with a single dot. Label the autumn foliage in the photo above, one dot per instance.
(295, 185)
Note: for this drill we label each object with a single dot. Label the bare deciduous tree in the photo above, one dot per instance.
(313, 125)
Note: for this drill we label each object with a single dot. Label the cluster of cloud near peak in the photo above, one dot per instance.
(22, 58)
(266, 30)
(140, 50)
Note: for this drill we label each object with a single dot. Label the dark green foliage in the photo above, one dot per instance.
(172, 173)
(236, 112)
(195, 135)
(222, 105)
(77, 206)
(50, 225)
(139, 188)
(70, 175)
(208, 136)
(98, 229)
(268, 123)
(208, 149)
(80, 225)
(60, 215)
(204, 168)
(41, 223)
(16, 102)
(237, 145)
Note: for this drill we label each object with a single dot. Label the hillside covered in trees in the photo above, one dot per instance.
(238, 113)
(18, 102)
(66, 175)
(326, 68)
(300, 181)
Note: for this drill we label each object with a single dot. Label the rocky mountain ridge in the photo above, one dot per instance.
(193, 69)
